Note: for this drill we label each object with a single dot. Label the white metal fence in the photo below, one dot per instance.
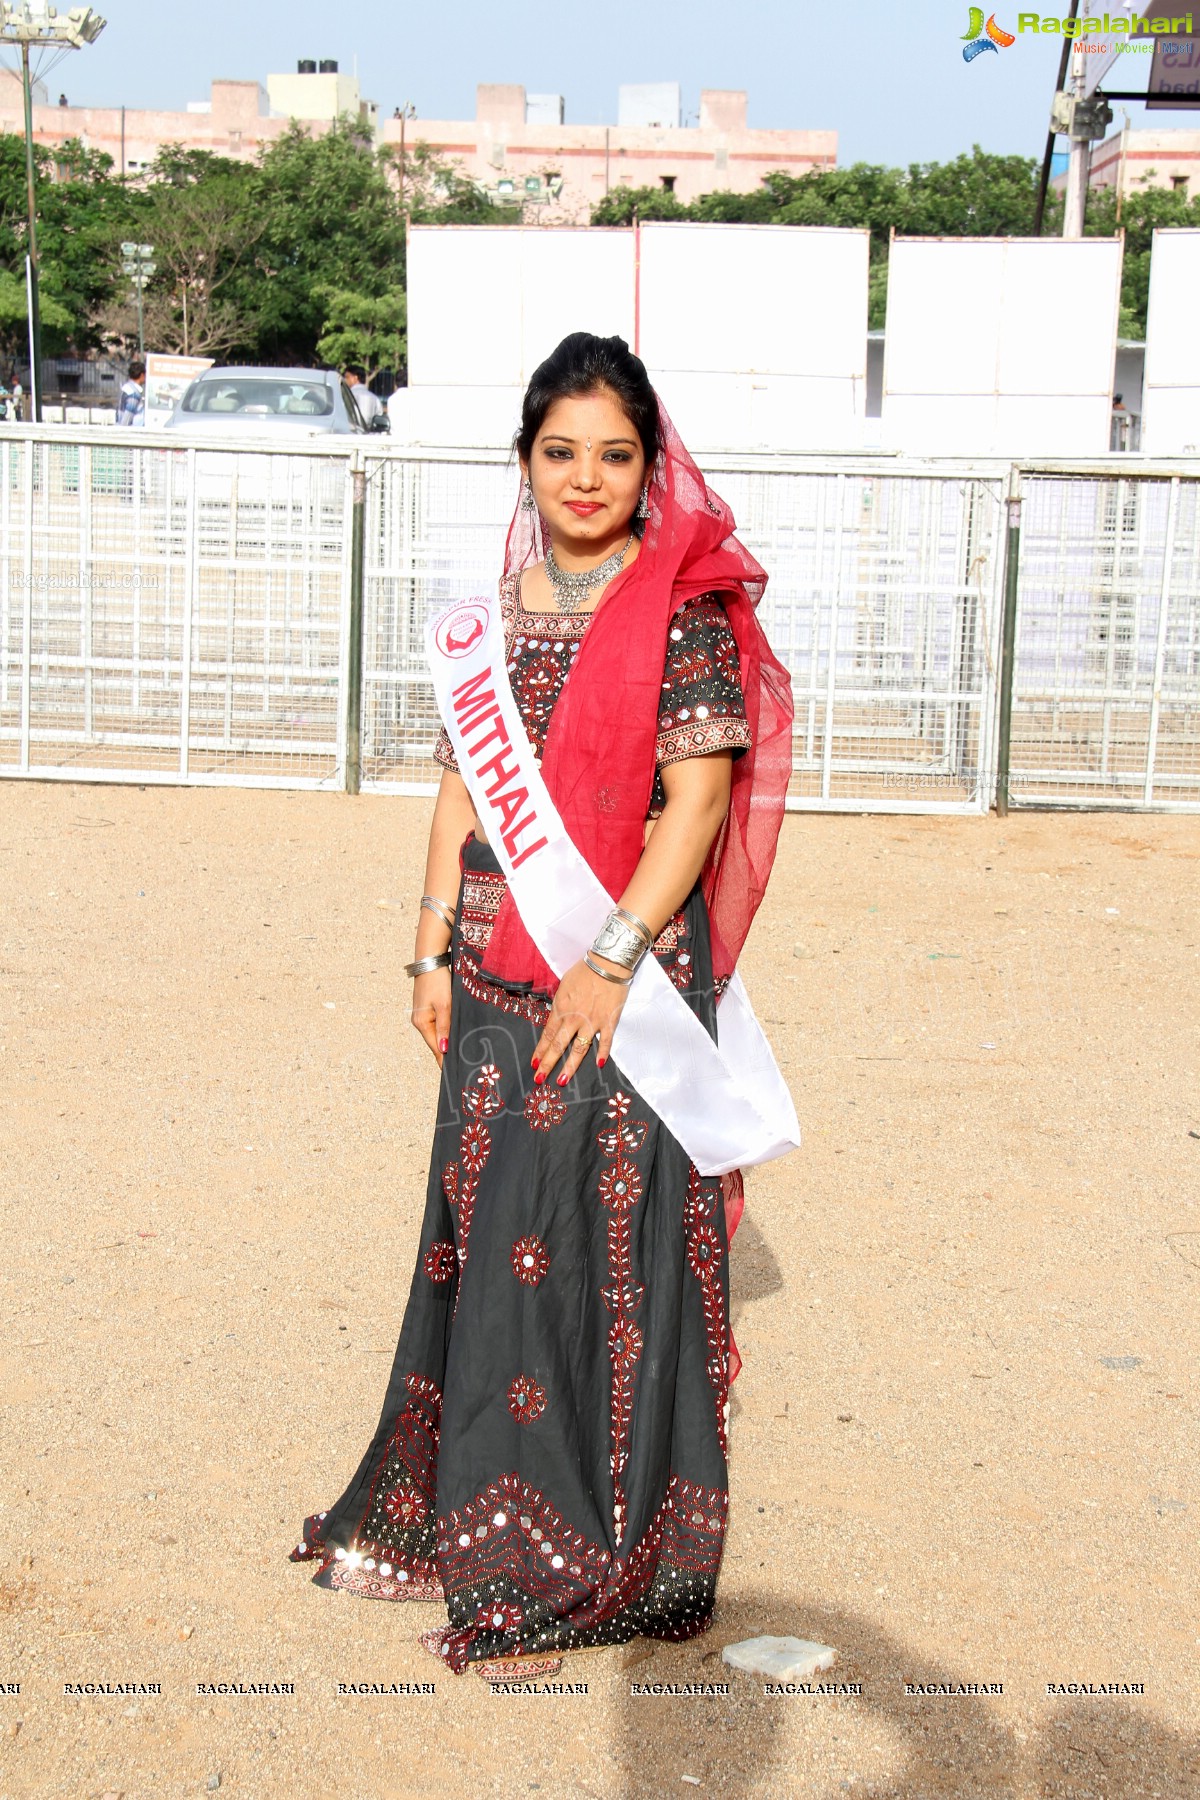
(1106, 684)
(175, 613)
(171, 614)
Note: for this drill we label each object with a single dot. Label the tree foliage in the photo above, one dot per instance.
(330, 218)
(1142, 214)
(300, 254)
(979, 195)
(369, 333)
(82, 214)
(14, 315)
(196, 211)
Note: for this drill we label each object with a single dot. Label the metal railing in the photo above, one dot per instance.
(171, 612)
(200, 613)
(1106, 684)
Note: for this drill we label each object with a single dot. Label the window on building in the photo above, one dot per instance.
(1179, 183)
(668, 182)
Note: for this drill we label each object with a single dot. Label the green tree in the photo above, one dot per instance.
(1143, 212)
(979, 195)
(82, 213)
(330, 220)
(365, 331)
(57, 322)
(621, 205)
(198, 214)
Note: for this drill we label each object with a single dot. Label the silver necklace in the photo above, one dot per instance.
(572, 586)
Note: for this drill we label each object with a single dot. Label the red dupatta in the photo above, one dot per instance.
(599, 760)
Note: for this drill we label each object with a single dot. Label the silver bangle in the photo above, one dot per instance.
(439, 909)
(606, 974)
(638, 924)
(620, 943)
(427, 964)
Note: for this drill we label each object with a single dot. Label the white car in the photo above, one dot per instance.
(263, 402)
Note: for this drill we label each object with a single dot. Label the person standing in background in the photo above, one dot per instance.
(369, 405)
(132, 405)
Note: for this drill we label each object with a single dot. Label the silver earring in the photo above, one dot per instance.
(643, 505)
(527, 500)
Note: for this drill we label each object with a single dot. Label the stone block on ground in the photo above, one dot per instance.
(780, 1658)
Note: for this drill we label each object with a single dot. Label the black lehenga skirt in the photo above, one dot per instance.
(551, 1455)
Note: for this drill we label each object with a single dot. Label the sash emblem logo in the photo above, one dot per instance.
(459, 633)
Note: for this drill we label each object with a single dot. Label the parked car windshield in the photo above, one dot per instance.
(259, 397)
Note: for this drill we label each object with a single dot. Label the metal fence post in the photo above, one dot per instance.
(354, 672)
(1008, 644)
(1160, 644)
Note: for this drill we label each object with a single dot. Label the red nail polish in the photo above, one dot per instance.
(534, 1062)
(600, 1061)
(539, 1078)
(562, 1080)
(443, 1045)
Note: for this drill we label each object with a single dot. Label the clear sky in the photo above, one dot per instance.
(889, 78)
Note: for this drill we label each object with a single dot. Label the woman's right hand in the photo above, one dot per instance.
(431, 1010)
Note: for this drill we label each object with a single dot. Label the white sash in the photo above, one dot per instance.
(727, 1104)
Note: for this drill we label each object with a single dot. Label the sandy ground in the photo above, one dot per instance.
(964, 1440)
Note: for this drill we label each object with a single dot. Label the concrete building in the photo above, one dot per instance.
(236, 119)
(514, 149)
(1132, 161)
(518, 146)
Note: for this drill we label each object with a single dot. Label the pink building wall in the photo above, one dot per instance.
(235, 126)
(1173, 156)
(721, 153)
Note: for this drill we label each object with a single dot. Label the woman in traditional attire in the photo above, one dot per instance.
(551, 1455)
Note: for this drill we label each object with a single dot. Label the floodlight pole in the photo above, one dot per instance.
(35, 312)
(36, 22)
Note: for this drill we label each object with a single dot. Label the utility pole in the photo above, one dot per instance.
(1064, 63)
(1078, 170)
(1081, 120)
(34, 24)
(35, 310)
(407, 111)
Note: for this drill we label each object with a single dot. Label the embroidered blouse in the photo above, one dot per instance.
(702, 708)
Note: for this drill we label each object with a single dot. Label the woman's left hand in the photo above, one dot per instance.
(584, 1005)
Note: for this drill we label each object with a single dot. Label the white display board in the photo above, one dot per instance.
(1171, 390)
(756, 335)
(487, 303)
(1001, 346)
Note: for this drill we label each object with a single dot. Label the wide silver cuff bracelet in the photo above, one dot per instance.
(619, 943)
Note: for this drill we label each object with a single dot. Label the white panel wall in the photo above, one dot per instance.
(1001, 346)
(1171, 395)
(756, 335)
(486, 304)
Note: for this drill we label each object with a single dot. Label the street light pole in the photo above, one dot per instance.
(34, 24)
(35, 312)
(139, 267)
